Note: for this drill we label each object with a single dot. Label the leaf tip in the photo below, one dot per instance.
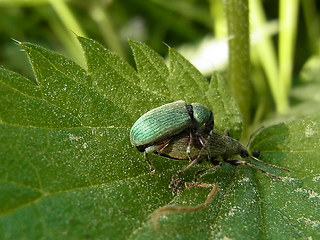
(16, 41)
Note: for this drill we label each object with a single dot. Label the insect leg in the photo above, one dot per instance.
(226, 132)
(189, 146)
(151, 167)
(201, 172)
(176, 182)
(154, 149)
(193, 162)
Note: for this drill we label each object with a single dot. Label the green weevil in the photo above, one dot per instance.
(154, 130)
(216, 148)
(181, 134)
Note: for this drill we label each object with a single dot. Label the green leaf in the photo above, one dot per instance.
(117, 81)
(185, 81)
(306, 93)
(250, 205)
(68, 170)
(292, 206)
(151, 68)
(226, 112)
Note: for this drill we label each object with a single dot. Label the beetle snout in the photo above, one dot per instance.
(244, 153)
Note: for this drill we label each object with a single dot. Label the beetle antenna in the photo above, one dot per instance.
(269, 164)
(263, 171)
(238, 162)
(253, 135)
(257, 159)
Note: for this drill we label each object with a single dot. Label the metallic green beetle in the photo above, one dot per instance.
(185, 132)
(154, 130)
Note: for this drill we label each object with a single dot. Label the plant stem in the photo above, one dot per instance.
(72, 26)
(239, 57)
(264, 53)
(312, 24)
(100, 15)
(220, 21)
(288, 25)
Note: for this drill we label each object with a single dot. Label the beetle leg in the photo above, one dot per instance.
(191, 140)
(201, 172)
(163, 145)
(193, 162)
(226, 132)
(202, 141)
(154, 149)
(189, 146)
(238, 162)
(151, 167)
(176, 182)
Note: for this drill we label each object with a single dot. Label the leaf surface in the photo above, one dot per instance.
(68, 170)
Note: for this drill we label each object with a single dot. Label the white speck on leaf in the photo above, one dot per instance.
(233, 210)
(311, 193)
(246, 179)
(316, 178)
(308, 221)
(309, 132)
(73, 137)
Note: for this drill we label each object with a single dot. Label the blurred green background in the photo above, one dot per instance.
(284, 40)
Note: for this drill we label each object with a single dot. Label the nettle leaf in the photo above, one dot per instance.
(226, 112)
(306, 94)
(152, 70)
(250, 205)
(68, 170)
